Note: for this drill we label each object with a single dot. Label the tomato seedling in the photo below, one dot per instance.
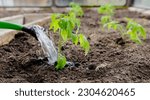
(65, 24)
(76, 9)
(135, 31)
(113, 25)
(106, 9)
(105, 19)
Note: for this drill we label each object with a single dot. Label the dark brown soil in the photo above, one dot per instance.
(108, 60)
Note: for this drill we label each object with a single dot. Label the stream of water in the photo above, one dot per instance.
(46, 43)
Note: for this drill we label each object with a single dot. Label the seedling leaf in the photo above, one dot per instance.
(64, 35)
(84, 43)
(136, 31)
(61, 62)
(105, 19)
(75, 39)
(76, 9)
(54, 22)
(106, 9)
(134, 37)
(112, 25)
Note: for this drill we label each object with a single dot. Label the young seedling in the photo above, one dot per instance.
(135, 31)
(65, 24)
(76, 9)
(114, 25)
(106, 9)
(108, 23)
(105, 19)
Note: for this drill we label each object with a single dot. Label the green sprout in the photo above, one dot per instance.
(114, 25)
(106, 9)
(135, 31)
(61, 62)
(105, 19)
(84, 43)
(65, 25)
(108, 23)
(76, 9)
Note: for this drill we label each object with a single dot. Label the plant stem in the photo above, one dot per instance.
(59, 43)
(122, 32)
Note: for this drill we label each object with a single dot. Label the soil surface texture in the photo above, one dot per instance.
(109, 59)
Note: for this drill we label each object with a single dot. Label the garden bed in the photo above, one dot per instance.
(21, 59)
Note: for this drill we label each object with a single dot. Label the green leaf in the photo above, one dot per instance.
(112, 25)
(74, 20)
(75, 39)
(61, 62)
(134, 37)
(84, 43)
(69, 29)
(136, 31)
(64, 35)
(107, 9)
(76, 9)
(54, 22)
(105, 19)
(142, 31)
(63, 23)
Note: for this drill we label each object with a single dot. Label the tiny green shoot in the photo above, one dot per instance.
(106, 9)
(61, 62)
(105, 19)
(84, 43)
(76, 9)
(113, 25)
(135, 31)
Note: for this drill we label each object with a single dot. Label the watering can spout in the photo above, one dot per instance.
(30, 31)
(7, 25)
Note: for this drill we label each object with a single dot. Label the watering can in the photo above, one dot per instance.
(29, 30)
(7, 25)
